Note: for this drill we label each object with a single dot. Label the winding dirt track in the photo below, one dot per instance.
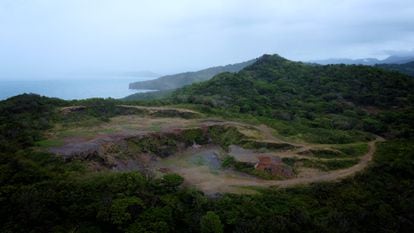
(337, 174)
(329, 176)
(154, 109)
(211, 184)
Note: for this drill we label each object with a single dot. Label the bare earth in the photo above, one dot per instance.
(200, 166)
(232, 182)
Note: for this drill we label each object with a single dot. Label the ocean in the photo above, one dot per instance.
(69, 89)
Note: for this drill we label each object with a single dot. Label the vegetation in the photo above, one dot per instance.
(166, 144)
(353, 150)
(248, 168)
(407, 68)
(328, 165)
(268, 145)
(152, 95)
(41, 193)
(334, 104)
(226, 136)
(339, 151)
(165, 84)
(210, 223)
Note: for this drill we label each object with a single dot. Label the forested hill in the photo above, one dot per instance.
(179, 80)
(333, 96)
(39, 192)
(407, 68)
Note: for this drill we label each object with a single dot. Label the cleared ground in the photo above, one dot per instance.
(105, 146)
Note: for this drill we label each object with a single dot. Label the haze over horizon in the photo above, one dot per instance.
(46, 38)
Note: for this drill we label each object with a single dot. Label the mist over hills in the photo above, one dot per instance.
(169, 82)
(394, 59)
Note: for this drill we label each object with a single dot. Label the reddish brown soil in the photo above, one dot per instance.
(202, 176)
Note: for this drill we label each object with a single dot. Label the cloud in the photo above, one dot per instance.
(44, 37)
(400, 53)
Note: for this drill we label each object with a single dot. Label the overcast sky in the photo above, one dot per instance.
(41, 38)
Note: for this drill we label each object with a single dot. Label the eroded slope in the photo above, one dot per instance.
(212, 154)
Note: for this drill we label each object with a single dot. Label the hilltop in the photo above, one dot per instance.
(341, 97)
(165, 84)
(278, 145)
(179, 80)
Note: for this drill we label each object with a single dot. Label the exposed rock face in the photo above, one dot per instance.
(109, 151)
(89, 150)
(72, 109)
(274, 166)
(121, 152)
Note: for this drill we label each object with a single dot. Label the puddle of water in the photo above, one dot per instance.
(206, 158)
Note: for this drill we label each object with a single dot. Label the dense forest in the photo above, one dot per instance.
(39, 192)
(333, 97)
(165, 84)
(406, 68)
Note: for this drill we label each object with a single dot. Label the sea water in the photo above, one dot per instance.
(71, 88)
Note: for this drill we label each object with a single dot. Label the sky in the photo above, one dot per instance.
(57, 38)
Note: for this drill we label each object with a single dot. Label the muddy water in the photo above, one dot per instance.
(207, 156)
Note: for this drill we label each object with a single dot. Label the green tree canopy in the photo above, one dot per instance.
(210, 223)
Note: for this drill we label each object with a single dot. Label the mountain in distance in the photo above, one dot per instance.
(272, 75)
(403, 64)
(165, 85)
(397, 60)
(175, 81)
(407, 68)
(347, 61)
(365, 61)
(338, 107)
(340, 97)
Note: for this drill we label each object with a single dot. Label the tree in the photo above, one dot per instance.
(124, 209)
(210, 223)
(172, 181)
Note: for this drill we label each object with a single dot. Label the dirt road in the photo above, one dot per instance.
(219, 180)
(235, 184)
(154, 109)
